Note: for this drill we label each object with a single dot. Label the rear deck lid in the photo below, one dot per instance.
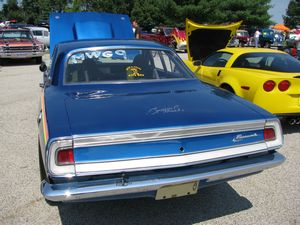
(202, 40)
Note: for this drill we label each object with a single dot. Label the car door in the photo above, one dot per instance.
(212, 67)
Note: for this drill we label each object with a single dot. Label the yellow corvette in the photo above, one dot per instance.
(266, 77)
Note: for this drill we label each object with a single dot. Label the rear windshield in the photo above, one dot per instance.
(278, 62)
(123, 65)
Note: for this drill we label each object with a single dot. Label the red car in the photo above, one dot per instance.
(172, 37)
(19, 43)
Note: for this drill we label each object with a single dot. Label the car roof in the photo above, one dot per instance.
(15, 29)
(79, 44)
(37, 28)
(244, 50)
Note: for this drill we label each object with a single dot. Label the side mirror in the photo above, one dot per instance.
(197, 63)
(43, 67)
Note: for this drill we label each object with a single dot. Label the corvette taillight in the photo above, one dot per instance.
(65, 157)
(269, 85)
(284, 85)
(269, 134)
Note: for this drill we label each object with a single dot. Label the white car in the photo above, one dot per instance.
(42, 34)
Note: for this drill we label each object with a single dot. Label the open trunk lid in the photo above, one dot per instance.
(202, 40)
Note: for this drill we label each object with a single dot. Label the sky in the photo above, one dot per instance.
(279, 9)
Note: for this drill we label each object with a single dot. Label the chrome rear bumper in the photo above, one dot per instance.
(113, 188)
(21, 55)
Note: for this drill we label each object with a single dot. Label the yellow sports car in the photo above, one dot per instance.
(266, 77)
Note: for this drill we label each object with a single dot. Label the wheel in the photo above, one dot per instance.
(38, 60)
(228, 88)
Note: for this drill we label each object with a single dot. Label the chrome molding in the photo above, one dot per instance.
(143, 164)
(81, 141)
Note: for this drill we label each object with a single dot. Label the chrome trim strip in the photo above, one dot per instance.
(166, 162)
(113, 138)
(66, 193)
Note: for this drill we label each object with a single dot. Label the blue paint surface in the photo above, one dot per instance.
(88, 25)
(127, 106)
(163, 148)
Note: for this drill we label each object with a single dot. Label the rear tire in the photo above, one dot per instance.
(228, 88)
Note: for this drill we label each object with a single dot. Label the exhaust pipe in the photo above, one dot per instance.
(292, 121)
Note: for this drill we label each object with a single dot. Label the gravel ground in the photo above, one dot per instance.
(271, 197)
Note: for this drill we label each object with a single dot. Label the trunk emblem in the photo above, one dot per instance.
(241, 137)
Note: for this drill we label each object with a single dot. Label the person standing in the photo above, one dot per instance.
(297, 39)
(136, 29)
(256, 37)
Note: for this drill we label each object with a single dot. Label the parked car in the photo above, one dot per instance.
(278, 39)
(266, 39)
(126, 118)
(41, 34)
(172, 37)
(243, 37)
(19, 43)
(266, 77)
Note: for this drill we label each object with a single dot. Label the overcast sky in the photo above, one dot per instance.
(279, 9)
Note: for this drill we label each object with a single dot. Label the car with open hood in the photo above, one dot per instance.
(125, 118)
(171, 36)
(266, 77)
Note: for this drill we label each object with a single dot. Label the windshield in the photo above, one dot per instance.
(123, 65)
(16, 34)
(168, 31)
(278, 62)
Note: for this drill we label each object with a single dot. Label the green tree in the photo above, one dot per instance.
(292, 18)
(11, 10)
(150, 13)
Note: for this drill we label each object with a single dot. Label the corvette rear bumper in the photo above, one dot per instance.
(146, 185)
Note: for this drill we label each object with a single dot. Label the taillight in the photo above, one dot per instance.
(284, 85)
(269, 85)
(65, 157)
(269, 134)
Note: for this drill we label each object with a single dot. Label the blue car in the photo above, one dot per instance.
(124, 118)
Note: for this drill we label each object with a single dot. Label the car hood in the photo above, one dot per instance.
(154, 105)
(18, 42)
(202, 40)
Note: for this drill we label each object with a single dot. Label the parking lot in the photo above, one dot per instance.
(271, 197)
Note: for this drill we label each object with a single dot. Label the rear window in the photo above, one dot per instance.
(268, 61)
(123, 65)
(218, 59)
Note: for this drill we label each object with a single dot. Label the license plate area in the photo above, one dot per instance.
(178, 190)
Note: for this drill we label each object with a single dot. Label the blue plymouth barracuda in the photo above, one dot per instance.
(126, 118)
